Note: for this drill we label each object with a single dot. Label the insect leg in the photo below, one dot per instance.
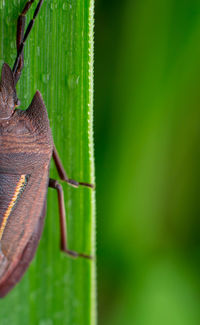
(21, 37)
(63, 227)
(62, 173)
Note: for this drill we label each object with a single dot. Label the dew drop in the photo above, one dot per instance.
(38, 51)
(45, 77)
(2, 4)
(73, 81)
(64, 6)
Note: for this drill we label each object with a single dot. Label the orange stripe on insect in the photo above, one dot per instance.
(19, 186)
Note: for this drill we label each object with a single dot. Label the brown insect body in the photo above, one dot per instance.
(26, 148)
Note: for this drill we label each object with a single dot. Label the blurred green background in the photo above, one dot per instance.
(147, 130)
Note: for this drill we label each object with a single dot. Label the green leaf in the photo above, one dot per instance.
(59, 62)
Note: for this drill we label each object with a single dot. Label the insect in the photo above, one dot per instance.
(26, 148)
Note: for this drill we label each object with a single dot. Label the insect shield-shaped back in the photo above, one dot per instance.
(8, 96)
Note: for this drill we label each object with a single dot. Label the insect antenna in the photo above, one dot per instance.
(22, 37)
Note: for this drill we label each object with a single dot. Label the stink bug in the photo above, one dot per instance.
(26, 148)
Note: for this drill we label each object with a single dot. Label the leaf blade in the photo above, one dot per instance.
(56, 289)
